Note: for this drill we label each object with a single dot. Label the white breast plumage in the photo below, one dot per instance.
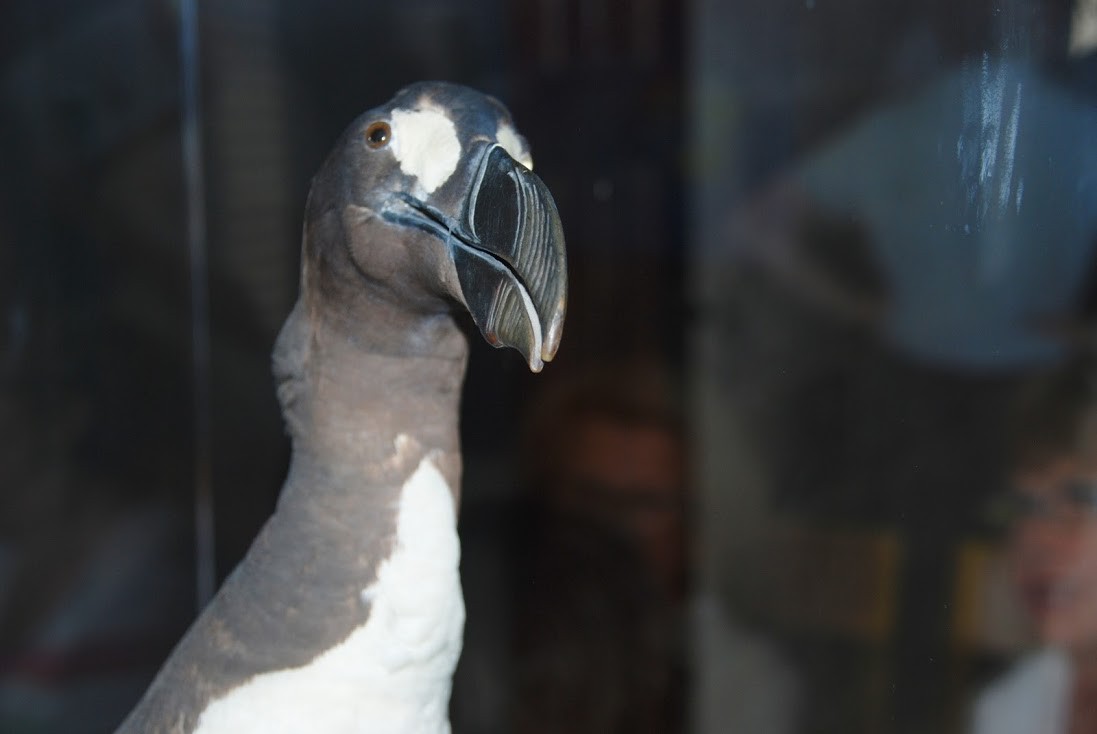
(392, 674)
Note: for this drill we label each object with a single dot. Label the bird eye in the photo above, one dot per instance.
(378, 134)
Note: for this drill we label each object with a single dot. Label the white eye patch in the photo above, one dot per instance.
(425, 145)
(512, 144)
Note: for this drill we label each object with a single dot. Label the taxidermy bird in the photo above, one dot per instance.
(346, 614)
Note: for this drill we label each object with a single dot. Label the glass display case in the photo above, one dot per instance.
(814, 455)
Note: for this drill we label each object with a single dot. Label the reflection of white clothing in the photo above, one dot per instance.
(741, 683)
(1033, 697)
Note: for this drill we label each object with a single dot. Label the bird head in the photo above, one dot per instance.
(430, 200)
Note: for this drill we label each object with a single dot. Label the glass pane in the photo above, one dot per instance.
(96, 556)
(814, 455)
(895, 221)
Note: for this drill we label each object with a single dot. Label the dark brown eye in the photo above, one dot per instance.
(378, 134)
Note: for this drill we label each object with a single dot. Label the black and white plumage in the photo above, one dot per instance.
(346, 614)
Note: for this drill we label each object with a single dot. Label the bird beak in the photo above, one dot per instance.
(508, 250)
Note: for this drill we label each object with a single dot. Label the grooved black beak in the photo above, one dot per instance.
(508, 250)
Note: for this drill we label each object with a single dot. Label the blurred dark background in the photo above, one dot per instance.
(734, 287)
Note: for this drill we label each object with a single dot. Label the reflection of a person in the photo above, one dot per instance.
(573, 592)
(609, 447)
(587, 631)
(1053, 547)
(597, 642)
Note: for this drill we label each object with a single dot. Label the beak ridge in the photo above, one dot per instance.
(514, 272)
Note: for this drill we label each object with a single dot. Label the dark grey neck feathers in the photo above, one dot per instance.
(350, 382)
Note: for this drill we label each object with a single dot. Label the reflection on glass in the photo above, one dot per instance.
(892, 233)
(858, 230)
(1051, 511)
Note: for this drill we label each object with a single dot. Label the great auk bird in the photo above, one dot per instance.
(346, 613)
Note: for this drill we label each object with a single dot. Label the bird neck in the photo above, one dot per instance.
(352, 388)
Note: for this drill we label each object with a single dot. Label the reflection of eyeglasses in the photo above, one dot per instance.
(1072, 500)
